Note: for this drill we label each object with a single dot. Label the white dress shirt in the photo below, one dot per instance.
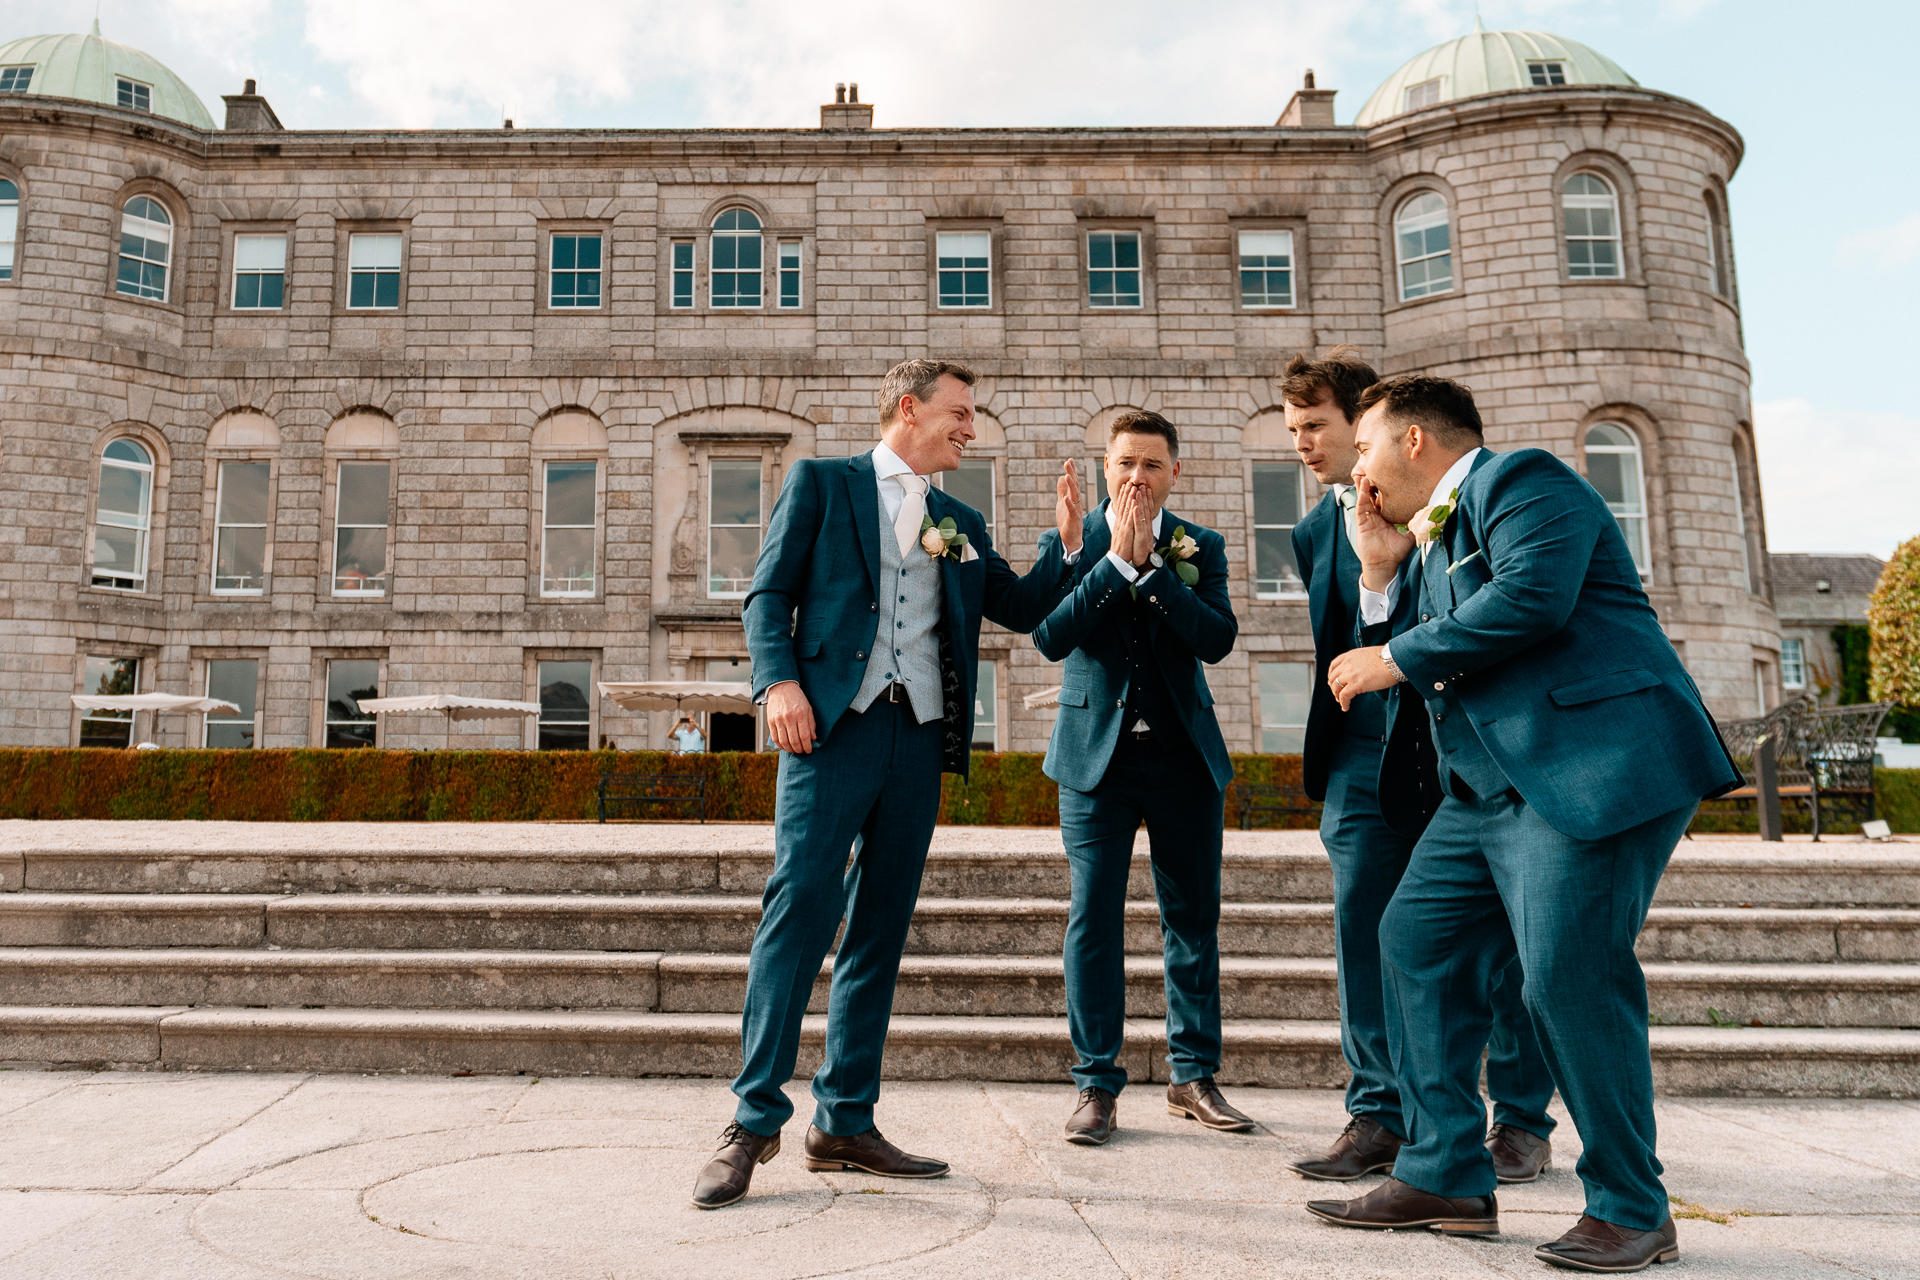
(1377, 606)
(1127, 571)
(887, 466)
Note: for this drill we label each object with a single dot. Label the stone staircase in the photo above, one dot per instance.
(566, 949)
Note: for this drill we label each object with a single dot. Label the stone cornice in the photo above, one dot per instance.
(1579, 340)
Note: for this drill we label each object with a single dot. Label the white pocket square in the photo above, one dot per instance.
(968, 554)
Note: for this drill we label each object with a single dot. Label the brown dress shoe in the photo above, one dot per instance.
(1393, 1205)
(728, 1174)
(867, 1153)
(1201, 1100)
(1095, 1119)
(1594, 1245)
(1518, 1156)
(1363, 1147)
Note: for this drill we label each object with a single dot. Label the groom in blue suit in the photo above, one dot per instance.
(864, 625)
(1573, 749)
(1137, 741)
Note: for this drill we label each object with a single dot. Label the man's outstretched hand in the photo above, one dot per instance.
(790, 718)
(1071, 507)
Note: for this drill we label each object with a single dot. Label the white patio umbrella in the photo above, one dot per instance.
(149, 702)
(454, 706)
(1044, 698)
(680, 695)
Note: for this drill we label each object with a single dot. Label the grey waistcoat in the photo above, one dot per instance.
(906, 645)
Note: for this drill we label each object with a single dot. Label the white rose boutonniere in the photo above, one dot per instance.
(1429, 521)
(1179, 551)
(943, 540)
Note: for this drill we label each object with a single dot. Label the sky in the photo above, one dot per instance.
(1825, 206)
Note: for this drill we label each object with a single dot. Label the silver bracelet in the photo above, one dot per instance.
(1393, 668)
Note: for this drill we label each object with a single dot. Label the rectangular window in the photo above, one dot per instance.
(16, 79)
(1113, 268)
(236, 680)
(1547, 74)
(789, 273)
(964, 269)
(109, 678)
(566, 705)
(576, 271)
(1276, 509)
(259, 272)
(133, 95)
(1266, 268)
(733, 528)
(986, 700)
(682, 274)
(360, 529)
(1286, 692)
(373, 272)
(1424, 94)
(240, 529)
(123, 518)
(568, 526)
(9, 226)
(973, 485)
(348, 681)
(1760, 691)
(1793, 664)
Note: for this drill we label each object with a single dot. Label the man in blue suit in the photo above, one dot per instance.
(1137, 741)
(1574, 749)
(864, 625)
(1373, 766)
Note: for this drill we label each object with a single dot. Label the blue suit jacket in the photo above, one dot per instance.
(812, 611)
(1408, 785)
(1186, 626)
(1545, 635)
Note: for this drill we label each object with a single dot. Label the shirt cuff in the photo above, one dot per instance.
(761, 701)
(1377, 606)
(1073, 556)
(1127, 571)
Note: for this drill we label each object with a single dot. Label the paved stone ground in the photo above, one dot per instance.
(245, 1176)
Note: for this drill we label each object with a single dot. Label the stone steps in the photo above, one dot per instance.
(1686, 1060)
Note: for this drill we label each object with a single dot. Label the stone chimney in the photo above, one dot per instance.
(248, 112)
(1309, 108)
(846, 111)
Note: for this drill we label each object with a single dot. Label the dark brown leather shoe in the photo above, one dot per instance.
(1095, 1119)
(867, 1153)
(1202, 1100)
(1594, 1245)
(1394, 1206)
(1518, 1156)
(728, 1174)
(1363, 1147)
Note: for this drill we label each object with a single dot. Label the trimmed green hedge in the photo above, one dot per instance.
(1897, 798)
(1006, 789)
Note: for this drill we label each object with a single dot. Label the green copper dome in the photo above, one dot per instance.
(1489, 62)
(91, 69)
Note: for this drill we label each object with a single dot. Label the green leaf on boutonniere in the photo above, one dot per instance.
(1188, 574)
(1179, 532)
(1438, 516)
(957, 540)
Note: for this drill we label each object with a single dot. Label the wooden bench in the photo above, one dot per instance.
(685, 791)
(1285, 798)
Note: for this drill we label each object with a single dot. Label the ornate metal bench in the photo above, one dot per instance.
(1823, 756)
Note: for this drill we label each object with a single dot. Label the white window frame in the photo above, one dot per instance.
(597, 272)
(1265, 270)
(540, 721)
(962, 242)
(375, 270)
(1267, 725)
(1282, 592)
(1642, 546)
(142, 225)
(220, 524)
(760, 525)
(787, 269)
(1541, 72)
(1793, 663)
(213, 718)
(11, 81)
(1138, 271)
(1428, 93)
(1591, 203)
(243, 270)
(9, 226)
(1406, 222)
(339, 490)
(547, 589)
(141, 522)
(679, 274)
(1740, 522)
(986, 700)
(127, 718)
(128, 94)
(993, 486)
(326, 703)
(739, 237)
(1719, 266)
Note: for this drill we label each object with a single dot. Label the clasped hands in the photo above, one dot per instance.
(1132, 525)
(1381, 547)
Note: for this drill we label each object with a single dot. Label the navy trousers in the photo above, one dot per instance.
(1369, 857)
(874, 787)
(1168, 787)
(1489, 880)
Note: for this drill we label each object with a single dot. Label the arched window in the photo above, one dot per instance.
(1425, 250)
(734, 259)
(1593, 227)
(123, 513)
(1613, 467)
(1719, 269)
(146, 247)
(9, 226)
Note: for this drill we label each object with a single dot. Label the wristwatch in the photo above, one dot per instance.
(1153, 558)
(1386, 660)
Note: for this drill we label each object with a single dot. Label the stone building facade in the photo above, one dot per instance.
(1813, 594)
(453, 455)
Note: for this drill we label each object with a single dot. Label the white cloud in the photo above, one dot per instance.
(1890, 247)
(1837, 481)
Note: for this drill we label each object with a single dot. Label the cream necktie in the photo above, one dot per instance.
(913, 512)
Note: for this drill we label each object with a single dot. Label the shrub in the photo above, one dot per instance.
(1893, 616)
